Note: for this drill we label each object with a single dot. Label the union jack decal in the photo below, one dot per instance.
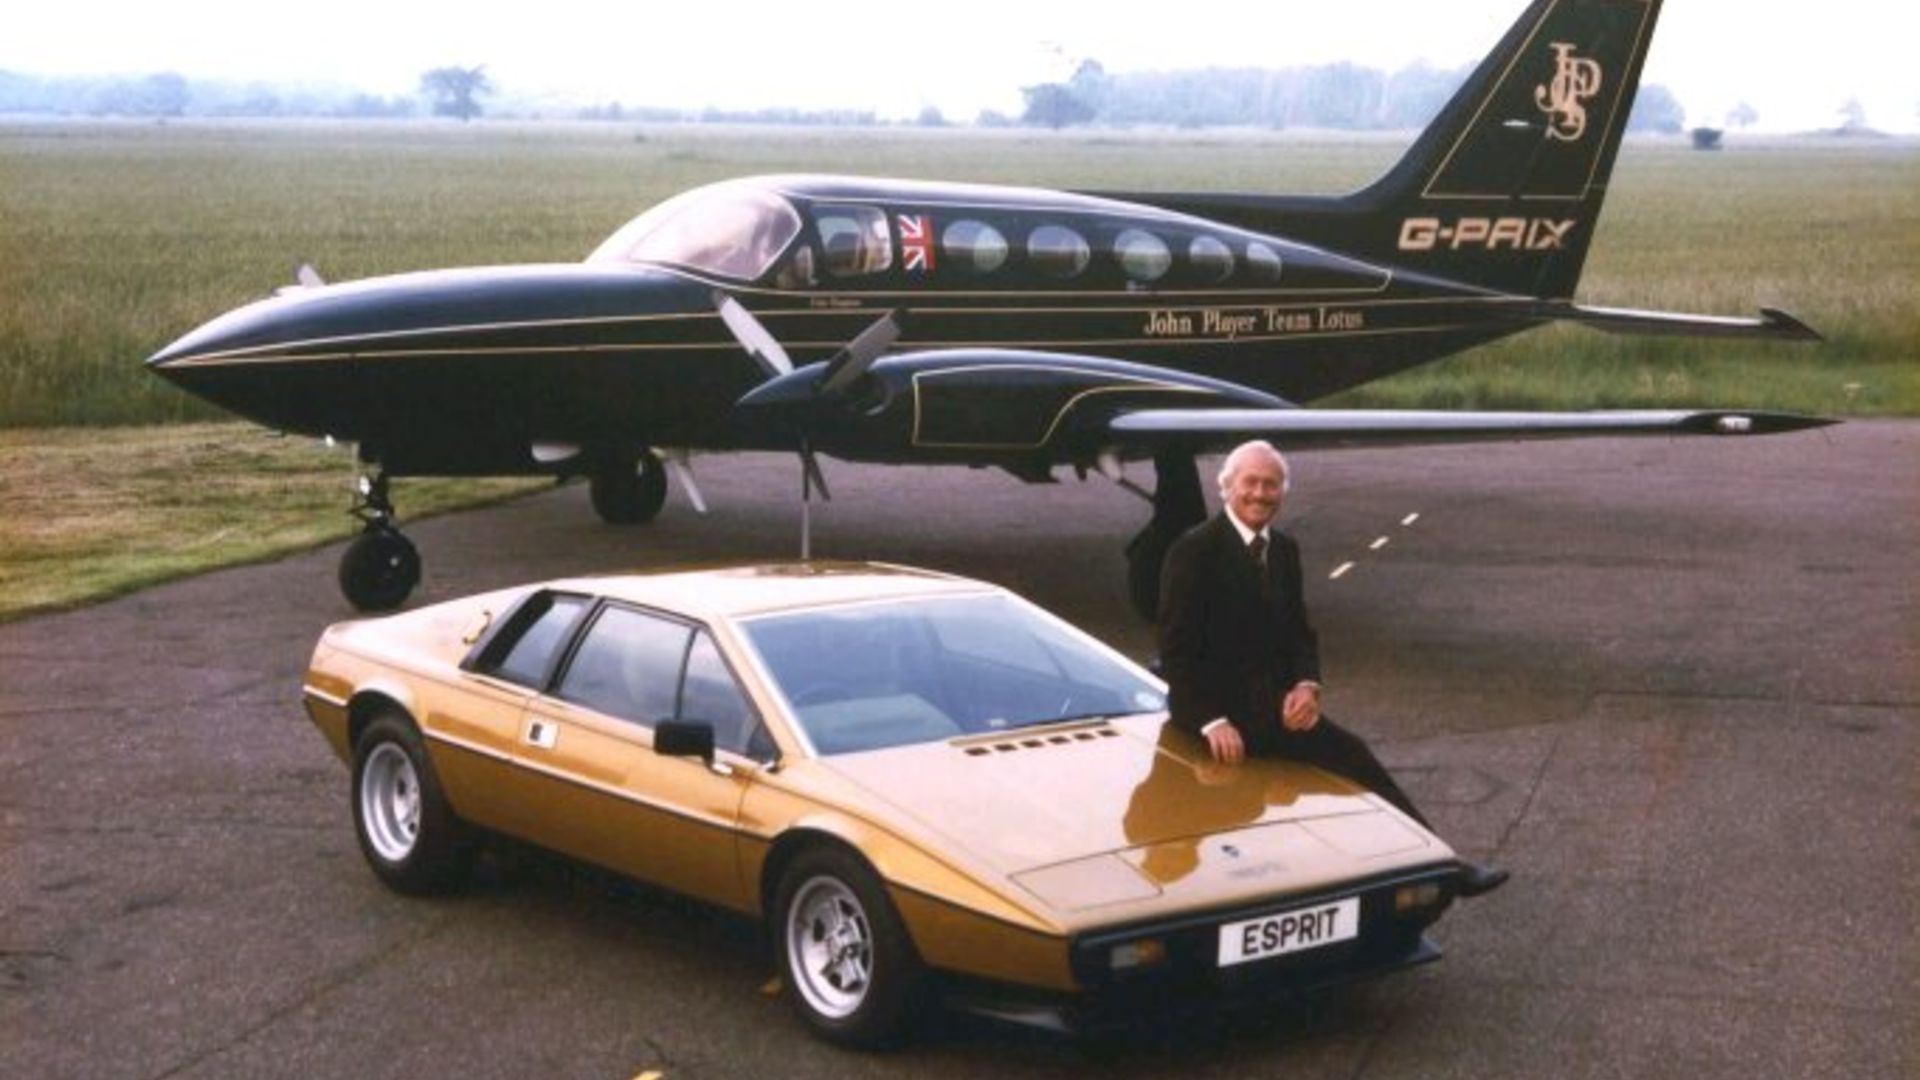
(916, 242)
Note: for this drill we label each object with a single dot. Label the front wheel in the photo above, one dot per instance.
(407, 831)
(846, 963)
(379, 569)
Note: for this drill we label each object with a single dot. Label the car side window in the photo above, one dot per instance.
(627, 666)
(525, 651)
(710, 695)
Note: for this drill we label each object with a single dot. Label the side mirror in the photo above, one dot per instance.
(684, 738)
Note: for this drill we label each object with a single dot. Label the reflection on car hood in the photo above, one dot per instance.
(1086, 815)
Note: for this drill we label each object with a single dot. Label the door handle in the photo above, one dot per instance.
(542, 733)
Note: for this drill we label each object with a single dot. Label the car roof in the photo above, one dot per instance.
(735, 591)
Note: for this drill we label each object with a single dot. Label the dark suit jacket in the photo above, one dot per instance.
(1225, 648)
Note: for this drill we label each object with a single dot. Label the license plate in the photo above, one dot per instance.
(1289, 931)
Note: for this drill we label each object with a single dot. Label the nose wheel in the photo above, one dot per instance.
(381, 566)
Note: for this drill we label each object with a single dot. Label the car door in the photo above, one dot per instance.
(605, 796)
(475, 724)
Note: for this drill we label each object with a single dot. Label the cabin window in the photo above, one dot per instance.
(975, 247)
(853, 240)
(1263, 262)
(1058, 251)
(724, 230)
(1212, 260)
(1143, 256)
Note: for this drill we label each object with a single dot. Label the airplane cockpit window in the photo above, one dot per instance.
(1263, 262)
(853, 239)
(974, 247)
(1058, 251)
(726, 230)
(1143, 256)
(1212, 260)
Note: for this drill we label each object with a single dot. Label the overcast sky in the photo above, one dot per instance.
(1796, 65)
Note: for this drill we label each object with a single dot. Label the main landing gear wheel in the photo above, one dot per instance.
(631, 491)
(1178, 506)
(407, 831)
(847, 966)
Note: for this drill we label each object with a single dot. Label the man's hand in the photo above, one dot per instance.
(1301, 709)
(1225, 742)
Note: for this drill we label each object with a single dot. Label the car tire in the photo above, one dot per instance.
(379, 570)
(630, 493)
(409, 835)
(847, 966)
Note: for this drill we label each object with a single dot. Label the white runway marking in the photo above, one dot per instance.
(1379, 542)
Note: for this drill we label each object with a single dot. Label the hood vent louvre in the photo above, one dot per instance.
(1041, 742)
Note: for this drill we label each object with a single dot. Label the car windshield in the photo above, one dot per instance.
(887, 674)
(729, 230)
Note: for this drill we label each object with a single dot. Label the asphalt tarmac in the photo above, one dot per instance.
(1671, 684)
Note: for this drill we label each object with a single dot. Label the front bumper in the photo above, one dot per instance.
(1190, 980)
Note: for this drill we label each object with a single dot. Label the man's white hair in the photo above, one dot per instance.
(1245, 450)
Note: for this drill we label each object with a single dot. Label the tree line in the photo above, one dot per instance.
(1342, 96)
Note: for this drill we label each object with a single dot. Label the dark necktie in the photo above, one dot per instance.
(1257, 548)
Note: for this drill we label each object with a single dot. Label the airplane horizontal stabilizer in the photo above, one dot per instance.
(1773, 323)
(1400, 427)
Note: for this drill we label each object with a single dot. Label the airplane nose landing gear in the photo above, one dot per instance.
(381, 566)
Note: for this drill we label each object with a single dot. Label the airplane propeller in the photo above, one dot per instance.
(804, 398)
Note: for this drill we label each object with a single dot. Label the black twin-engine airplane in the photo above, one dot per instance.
(892, 321)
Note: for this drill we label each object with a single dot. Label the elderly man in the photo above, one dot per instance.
(1240, 658)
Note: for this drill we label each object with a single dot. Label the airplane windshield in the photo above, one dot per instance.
(726, 230)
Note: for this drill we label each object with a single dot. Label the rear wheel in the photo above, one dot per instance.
(846, 963)
(407, 831)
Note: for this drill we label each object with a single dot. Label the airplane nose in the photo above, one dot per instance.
(240, 362)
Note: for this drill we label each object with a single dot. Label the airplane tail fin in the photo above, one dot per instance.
(1504, 187)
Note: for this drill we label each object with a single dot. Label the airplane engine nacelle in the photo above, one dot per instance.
(977, 404)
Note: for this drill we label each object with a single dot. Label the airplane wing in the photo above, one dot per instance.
(988, 405)
(1151, 428)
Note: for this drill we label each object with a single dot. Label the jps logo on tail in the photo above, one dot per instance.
(1488, 234)
(1563, 98)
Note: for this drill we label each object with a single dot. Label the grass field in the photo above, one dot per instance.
(115, 238)
(91, 514)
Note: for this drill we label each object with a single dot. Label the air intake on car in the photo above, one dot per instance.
(1041, 742)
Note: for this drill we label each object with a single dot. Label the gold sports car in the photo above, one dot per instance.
(921, 784)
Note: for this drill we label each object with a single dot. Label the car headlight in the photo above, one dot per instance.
(1418, 897)
(1134, 955)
